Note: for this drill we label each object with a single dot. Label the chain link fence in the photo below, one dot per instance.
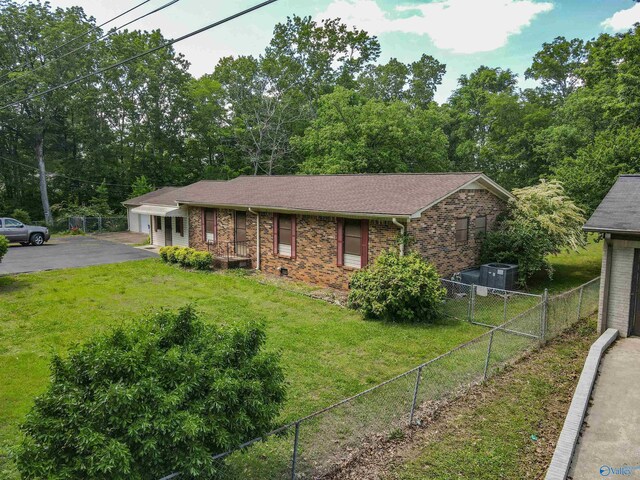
(318, 445)
(87, 224)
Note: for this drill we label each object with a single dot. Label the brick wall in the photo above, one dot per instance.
(434, 233)
(316, 259)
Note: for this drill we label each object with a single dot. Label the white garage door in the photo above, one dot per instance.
(144, 223)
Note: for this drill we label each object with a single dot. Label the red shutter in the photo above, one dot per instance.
(215, 225)
(364, 243)
(204, 225)
(293, 236)
(340, 229)
(275, 234)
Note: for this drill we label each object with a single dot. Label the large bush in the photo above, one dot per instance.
(4, 246)
(187, 257)
(397, 288)
(161, 396)
(541, 221)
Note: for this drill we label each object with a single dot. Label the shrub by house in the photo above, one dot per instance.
(187, 257)
(398, 288)
(161, 396)
(4, 246)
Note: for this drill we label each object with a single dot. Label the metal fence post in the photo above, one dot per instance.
(580, 301)
(505, 308)
(99, 224)
(544, 316)
(84, 224)
(486, 363)
(472, 316)
(295, 452)
(68, 223)
(415, 395)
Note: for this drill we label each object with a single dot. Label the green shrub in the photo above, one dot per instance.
(21, 215)
(164, 253)
(171, 254)
(397, 288)
(160, 396)
(201, 260)
(524, 245)
(182, 256)
(4, 246)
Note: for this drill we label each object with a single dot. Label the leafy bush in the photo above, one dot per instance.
(164, 253)
(21, 215)
(523, 246)
(201, 260)
(171, 254)
(160, 396)
(4, 246)
(187, 257)
(541, 221)
(398, 288)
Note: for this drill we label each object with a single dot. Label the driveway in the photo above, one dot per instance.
(610, 442)
(68, 252)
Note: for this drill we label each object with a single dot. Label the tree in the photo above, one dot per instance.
(415, 83)
(557, 66)
(160, 396)
(31, 31)
(141, 186)
(541, 221)
(354, 135)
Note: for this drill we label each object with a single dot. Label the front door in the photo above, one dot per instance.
(168, 229)
(240, 246)
(634, 311)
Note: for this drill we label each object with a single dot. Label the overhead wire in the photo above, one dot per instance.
(88, 44)
(92, 29)
(141, 54)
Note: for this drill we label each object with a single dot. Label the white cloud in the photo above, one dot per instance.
(462, 26)
(623, 19)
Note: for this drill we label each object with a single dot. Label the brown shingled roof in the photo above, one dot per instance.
(153, 197)
(376, 194)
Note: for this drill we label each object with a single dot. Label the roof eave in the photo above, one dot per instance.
(609, 230)
(320, 213)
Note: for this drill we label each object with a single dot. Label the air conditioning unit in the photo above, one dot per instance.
(499, 275)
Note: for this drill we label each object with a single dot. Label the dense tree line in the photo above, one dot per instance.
(315, 101)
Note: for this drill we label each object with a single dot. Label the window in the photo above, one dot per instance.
(353, 242)
(209, 225)
(462, 230)
(180, 226)
(481, 227)
(284, 235)
(158, 222)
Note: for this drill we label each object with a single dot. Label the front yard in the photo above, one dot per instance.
(328, 352)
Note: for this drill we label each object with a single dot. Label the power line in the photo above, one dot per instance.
(142, 54)
(66, 176)
(93, 29)
(82, 47)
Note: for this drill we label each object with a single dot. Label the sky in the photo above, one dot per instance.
(463, 34)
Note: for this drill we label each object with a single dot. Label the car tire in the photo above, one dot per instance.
(37, 239)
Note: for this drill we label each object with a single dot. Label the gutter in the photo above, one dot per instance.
(401, 233)
(257, 214)
(319, 213)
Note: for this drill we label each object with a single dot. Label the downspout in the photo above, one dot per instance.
(257, 214)
(401, 234)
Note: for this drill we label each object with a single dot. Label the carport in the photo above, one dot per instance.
(169, 224)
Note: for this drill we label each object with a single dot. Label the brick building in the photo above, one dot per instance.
(320, 228)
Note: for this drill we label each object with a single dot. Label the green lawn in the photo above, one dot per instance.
(328, 352)
(571, 269)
